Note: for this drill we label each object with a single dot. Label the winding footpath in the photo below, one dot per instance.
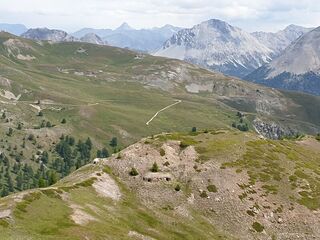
(163, 109)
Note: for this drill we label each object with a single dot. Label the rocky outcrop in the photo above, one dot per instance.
(272, 130)
(48, 35)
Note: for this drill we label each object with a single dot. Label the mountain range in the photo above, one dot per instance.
(218, 46)
(297, 68)
(16, 29)
(146, 40)
(45, 34)
(214, 44)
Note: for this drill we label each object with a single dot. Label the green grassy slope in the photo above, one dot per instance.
(106, 92)
(254, 192)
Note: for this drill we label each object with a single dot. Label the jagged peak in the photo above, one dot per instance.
(124, 27)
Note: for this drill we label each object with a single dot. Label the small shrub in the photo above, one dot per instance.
(212, 188)
(250, 213)
(243, 196)
(107, 170)
(194, 129)
(177, 188)
(31, 137)
(166, 164)
(10, 132)
(258, 227)
(40, 114)
(133, 172)
(293, 178)
(64, 121)
(184, 145)
(48, 124)
(155, 167)
(19, 127)
(203, 194)
(243, 127)
(318, 137)
(162, 152)
(86, 183)
(51, 193)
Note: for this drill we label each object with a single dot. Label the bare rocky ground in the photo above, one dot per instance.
(208, 191)
(281, 219)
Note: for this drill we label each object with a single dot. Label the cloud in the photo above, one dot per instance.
(73, 14)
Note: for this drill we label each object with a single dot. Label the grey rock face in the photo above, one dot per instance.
(297, 68)
(282, 39)
(216, 45)
(273, 130)
(92, 38)
(48, 35)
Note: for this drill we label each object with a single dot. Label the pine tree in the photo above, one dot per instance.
(19, 127)
(104, 153)
(48, 124)
(10, 184)
(89, 143)
(45, 157)
(99, 154)
(155, 167)
(10, 132)
(4, 192)
(52, 177)
(133, 172)
(114, 142)
(19, 181)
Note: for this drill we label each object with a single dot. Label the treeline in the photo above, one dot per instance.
(241, 124)
(71, 155)
(21, 177)
(66, 156)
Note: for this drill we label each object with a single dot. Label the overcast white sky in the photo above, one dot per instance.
(71, 15)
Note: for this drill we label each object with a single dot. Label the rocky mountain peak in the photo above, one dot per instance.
(92, 38)
(217, 45)
(48, 35)
(124, 27)
(297, 68)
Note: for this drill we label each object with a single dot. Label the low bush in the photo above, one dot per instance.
(258, 227)
(133, 172)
